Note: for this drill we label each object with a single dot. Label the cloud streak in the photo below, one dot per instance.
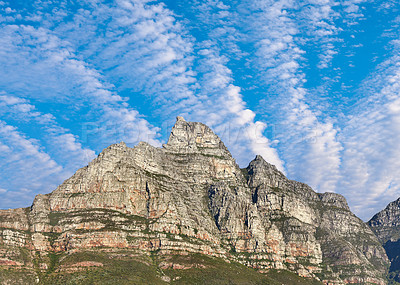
(22, 156)
(307, 142)
(152, 57)
(371, 154)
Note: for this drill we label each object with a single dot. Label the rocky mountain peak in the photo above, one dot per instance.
(387, 216)
(179, 118)
(386, 223)
(260, 163)
(190, 197)
(334, 200)
(189, 137)
(262, 172)
(386, 226)
(120, 145)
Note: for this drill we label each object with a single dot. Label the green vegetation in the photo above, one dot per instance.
(17, 276)
(277, 189)
(130, 267)
(286, 277)
(99, 215)
(117, 269)
(217, 271)
(77, 194)
(155, 176)
(213, 156)
(54, 261)
(55, 217)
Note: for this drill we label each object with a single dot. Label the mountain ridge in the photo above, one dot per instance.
(385, 225)
(190, 197)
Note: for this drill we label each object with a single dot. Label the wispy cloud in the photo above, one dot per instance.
(51, 74)
(22, 160)
(272, 77)
(151, 56)
(62, 143)
(56, 75)
(371, 157)
(229, 115)
(307, 142)
(220, 101)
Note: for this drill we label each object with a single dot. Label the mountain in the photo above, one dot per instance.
(186, 214)
(386, 226)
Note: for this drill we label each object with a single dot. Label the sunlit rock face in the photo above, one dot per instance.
(190, 196)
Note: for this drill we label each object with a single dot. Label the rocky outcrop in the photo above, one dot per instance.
(386, 226)
(190, 196)
(317, 229)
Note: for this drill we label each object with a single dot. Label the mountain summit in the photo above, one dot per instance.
(386, 226)
(187, 214)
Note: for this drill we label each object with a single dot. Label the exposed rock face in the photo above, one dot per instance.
(386, 223)
(386, 226)
(191, 196)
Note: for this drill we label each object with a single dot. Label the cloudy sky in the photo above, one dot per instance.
(313, 86)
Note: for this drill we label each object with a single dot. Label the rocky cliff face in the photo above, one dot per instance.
(190, 197)
(386, 226)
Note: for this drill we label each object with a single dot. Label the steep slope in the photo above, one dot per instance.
(317, 229)
(386, 226)
(187, 198)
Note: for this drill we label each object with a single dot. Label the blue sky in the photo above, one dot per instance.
(312, 86)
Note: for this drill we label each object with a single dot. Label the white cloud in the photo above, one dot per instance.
(10, 100)
(95, 66)
(371, 157)
(308, 144)
(50, 72)
(64, 142)
(9, 10)
(230, 112)
(57, 63)
(25, 162)
(143, 48)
